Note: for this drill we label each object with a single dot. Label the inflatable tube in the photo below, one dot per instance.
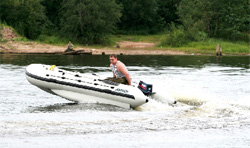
(80, 87)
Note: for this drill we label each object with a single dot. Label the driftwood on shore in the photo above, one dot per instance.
(218, 50)
(77, 52)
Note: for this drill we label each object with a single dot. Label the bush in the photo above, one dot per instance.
(0, 31)
(175, 38)
(21, 39)
(52, 39)
(200, 36)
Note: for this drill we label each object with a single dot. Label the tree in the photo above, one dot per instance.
(225, 18)
(89, 21)
(168, 11)
(26, 16)
(52, 8)
(140, 16)
(193, 16)
(233, 19)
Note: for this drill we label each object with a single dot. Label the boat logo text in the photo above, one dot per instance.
(121, 90)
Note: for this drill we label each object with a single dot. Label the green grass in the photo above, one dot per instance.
(138, 38)
(209, 47)
(53, 40)
(228, 47)
(21, 39)
(203, 47)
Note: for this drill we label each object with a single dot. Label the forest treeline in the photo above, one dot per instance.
(93, 21)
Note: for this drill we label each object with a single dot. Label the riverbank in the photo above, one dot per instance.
(12, 43)
(121, 48)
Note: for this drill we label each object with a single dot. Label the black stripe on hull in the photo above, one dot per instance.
(79, 86)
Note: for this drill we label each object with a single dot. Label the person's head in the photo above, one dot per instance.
(113, 59)
(69, 42)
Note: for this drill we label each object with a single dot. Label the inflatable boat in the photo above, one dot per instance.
(82, 87)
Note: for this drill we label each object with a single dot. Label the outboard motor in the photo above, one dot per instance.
(145, 88)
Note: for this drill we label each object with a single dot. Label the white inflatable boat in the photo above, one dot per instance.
(80, 87)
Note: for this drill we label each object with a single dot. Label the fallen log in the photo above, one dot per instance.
(78, 52)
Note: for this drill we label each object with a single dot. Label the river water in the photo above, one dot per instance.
(213, 108)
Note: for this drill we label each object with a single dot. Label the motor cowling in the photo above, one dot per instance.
(145, 88)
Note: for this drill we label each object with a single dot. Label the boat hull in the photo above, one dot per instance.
(80, 87)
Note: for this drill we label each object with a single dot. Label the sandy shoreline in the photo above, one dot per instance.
(125, 48)
(122, 48)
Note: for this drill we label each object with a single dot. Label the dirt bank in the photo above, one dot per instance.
(125, 48)
(8, 33)
(10, 46)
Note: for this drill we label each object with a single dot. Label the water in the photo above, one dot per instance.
(213, 107)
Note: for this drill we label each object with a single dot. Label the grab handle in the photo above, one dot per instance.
(52, 67)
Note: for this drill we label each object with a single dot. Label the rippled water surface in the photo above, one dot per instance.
(213, 108)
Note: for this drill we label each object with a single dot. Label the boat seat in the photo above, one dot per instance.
(109, 82)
